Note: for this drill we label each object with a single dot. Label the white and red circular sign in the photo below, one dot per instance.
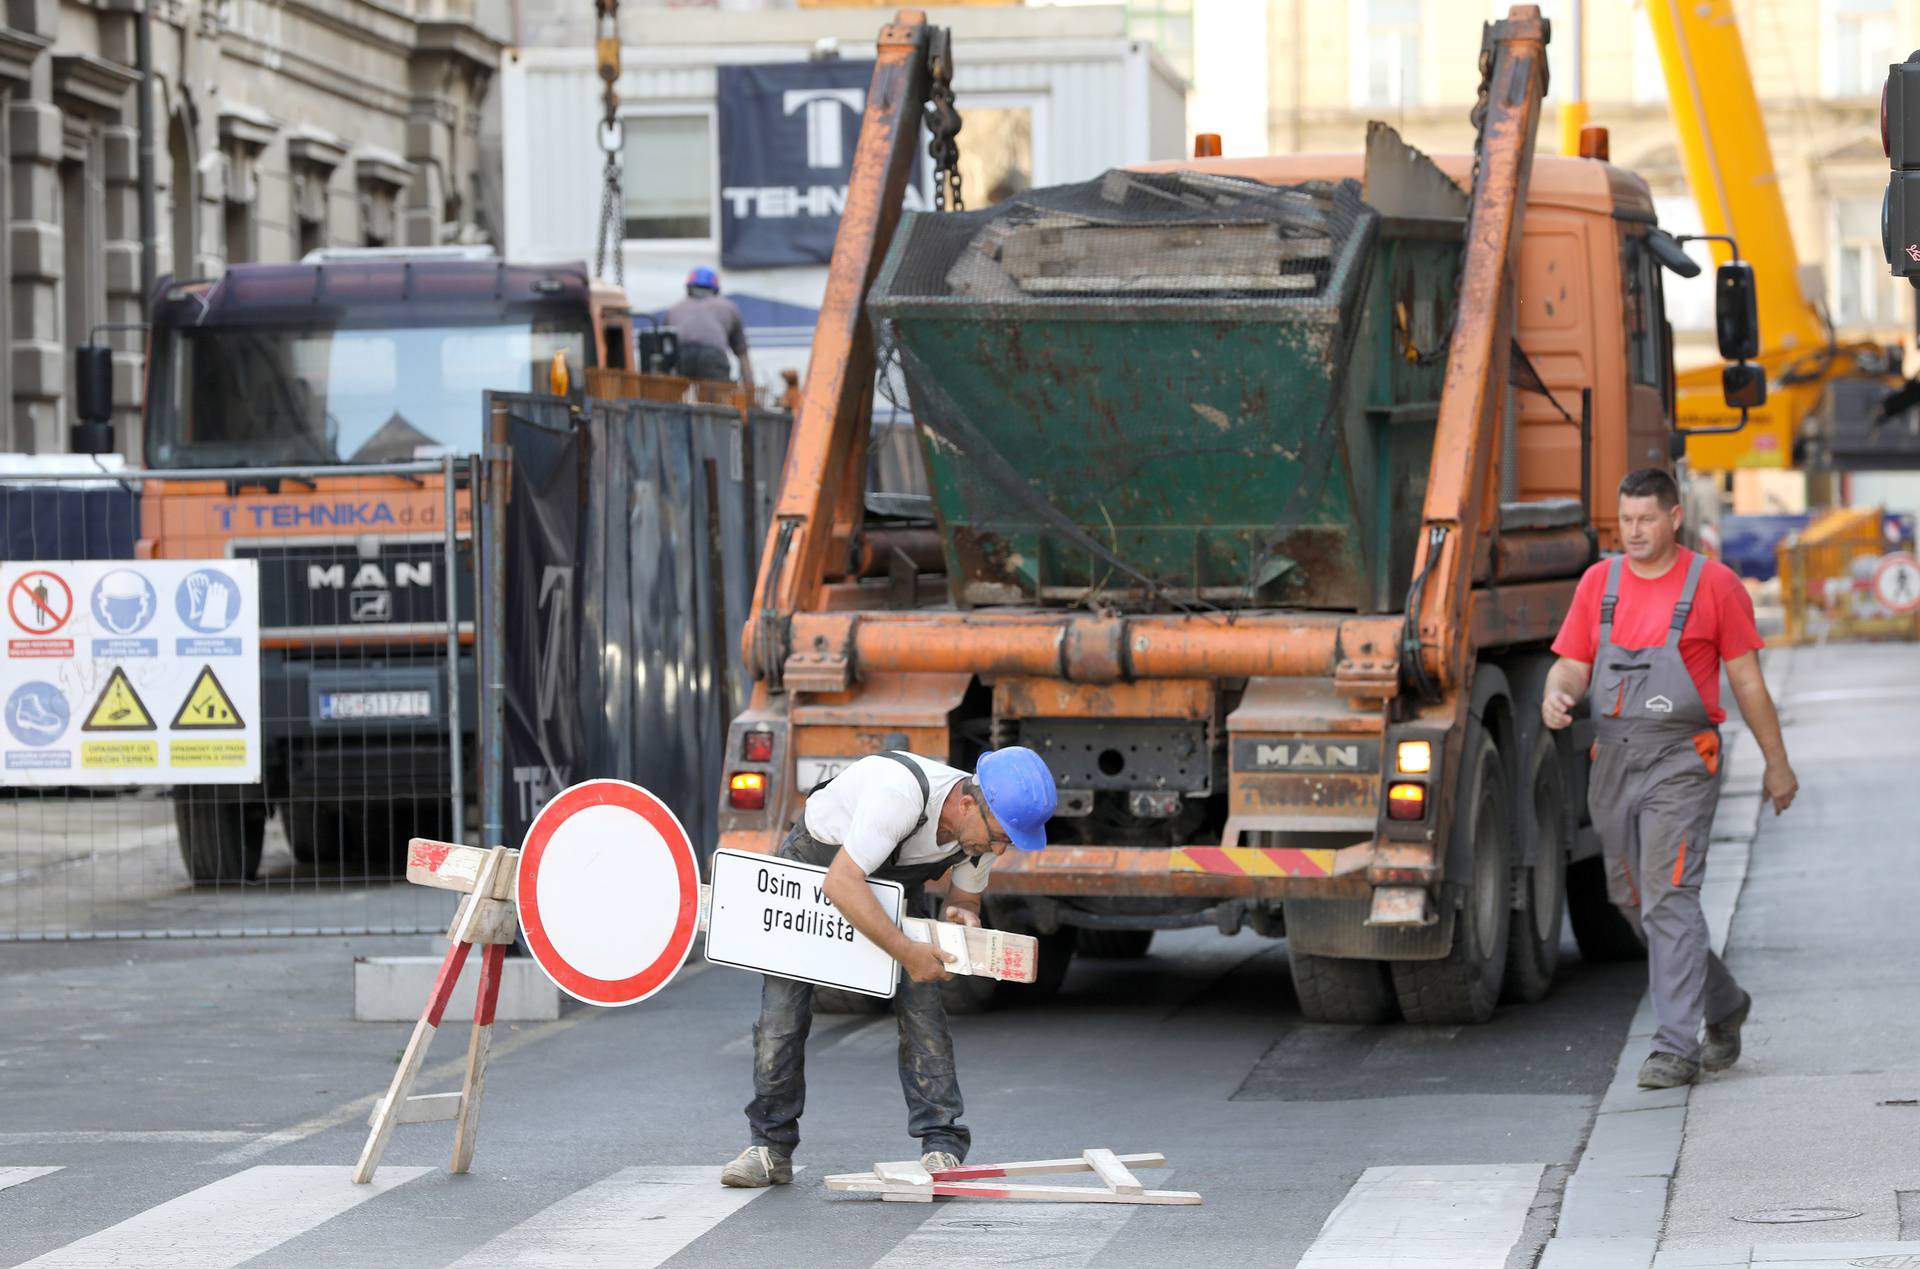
(609, 892)
(39, 602)
(1896, 582)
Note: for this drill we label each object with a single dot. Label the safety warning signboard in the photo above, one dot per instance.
(129, 672)
(1896, 582)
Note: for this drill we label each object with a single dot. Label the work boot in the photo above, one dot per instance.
(1722, 1048)
(938, 1161)
(1667, 1070)
(758, 1167)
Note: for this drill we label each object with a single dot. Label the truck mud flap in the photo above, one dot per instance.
(1338, 927)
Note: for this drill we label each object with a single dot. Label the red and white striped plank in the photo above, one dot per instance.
(12, 1176)
(992, 1235)
(226, 1223)
(1465, 1217)
(485, 1004)
(637, 1218)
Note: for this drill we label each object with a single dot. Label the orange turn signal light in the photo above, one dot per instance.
(747, 791)
(1406, 801)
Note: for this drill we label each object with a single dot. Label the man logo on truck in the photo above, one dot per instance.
(370, 576)
(1307, 755)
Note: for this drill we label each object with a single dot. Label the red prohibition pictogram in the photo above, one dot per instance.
(39, 602)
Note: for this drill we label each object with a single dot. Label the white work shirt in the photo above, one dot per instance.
(869, 809)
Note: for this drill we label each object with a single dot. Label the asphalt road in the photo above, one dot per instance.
(202, 1102)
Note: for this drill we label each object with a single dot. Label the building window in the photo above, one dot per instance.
(1386, 53)
(1859, 38)
(1168, 26)
(1862, 289)
(669, 182)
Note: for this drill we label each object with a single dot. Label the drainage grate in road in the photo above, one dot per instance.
(1886, 1262)
(1796, 1215)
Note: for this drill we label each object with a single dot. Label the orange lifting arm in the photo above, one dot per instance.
(1462, 501)
(826, 455)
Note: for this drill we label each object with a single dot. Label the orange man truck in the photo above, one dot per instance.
(1260, 488)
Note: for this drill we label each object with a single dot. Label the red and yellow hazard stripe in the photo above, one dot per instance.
(1251, 861)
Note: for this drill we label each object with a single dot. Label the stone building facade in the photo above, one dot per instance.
(280, 126)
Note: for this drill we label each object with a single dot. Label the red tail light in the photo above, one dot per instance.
(747, 791)
(1406, 801)
(756, 746)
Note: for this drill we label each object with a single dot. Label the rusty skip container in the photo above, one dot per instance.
(1174, 387)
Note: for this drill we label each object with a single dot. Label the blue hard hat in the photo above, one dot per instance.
(1020, 793)
(703, 276)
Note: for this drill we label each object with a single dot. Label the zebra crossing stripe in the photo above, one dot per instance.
(226, 1223)
(19, 1176)
(637, 1218)
(967, 1234)
(1434, 1217)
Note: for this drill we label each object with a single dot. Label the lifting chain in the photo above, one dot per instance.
(606, 50)
(943, 122)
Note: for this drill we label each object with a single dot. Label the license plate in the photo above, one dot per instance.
(355, 706)
(808, 772)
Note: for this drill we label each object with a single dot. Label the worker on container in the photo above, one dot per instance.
(1645, 640)
(892, 817)
(708, 325)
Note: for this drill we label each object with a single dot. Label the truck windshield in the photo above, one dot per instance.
(261, 396)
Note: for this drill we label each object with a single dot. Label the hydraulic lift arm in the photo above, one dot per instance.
(826, 466)
(1462, 501)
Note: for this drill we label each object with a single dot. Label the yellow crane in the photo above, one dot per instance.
(1729, 167)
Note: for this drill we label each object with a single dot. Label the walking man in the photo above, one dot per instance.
(1645, 640)
(709, 325)
(892, 817)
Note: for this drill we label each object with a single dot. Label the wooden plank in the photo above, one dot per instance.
(1033, 1193)
(451, 866)
(906, 1181)
(1112, 1173)
(485, 1002)
(498, 922)
(489, 874)
(385, 1123)
(1029, 1167)
(422, 1108)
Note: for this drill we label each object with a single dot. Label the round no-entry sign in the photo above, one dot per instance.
(1896, 582)
(609, 892)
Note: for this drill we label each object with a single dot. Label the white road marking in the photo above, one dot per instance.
(132, 1137)
(972, 1234)
(20, 1176)
(637, 1218)
(1434, 1218)
(226, 1223)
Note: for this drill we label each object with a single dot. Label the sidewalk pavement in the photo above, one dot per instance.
(1807, 1153)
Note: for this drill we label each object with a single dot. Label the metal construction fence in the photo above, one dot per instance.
(228, 697)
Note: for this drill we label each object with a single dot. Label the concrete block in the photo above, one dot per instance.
(1820, 1255)
(37, 251)
(1639, 1143)
(395, 989)
(1598, 1253)
(1611, 1207)
(35, 17)
(122, 259)
(39, 370)
(34, 131)
(1701, 1258)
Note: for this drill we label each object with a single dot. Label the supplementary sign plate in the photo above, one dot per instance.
(771, 915)
(609, 892)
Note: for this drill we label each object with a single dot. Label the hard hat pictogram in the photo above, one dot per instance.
(118, 707)
(208, 707)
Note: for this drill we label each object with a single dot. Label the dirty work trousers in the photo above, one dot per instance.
(927, 1076)
(1652, 799)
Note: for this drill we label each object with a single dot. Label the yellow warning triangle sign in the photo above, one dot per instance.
(207, 707)
(119, 707)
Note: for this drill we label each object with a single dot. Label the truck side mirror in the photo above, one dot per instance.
(92, 400)
(1736, 314)
(1744, 385)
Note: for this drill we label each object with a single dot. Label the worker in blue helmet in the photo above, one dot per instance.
(893, 817)
(709, 326)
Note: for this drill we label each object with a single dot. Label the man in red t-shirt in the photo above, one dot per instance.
(1644, 641)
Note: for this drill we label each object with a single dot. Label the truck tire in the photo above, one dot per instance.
(1464, 986)
(1336, 989)
(221, 835)
(1603, 933)
(1114, 944)
(313, 834)
(1539, 889)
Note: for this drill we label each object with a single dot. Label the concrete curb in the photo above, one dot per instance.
(1616, 1200)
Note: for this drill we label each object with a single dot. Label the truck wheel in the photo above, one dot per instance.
(1539, 890)
(1114, 944)
(313, 833)
(1465, 985)
(221, 835)
(1598, 927)
(1337, 989)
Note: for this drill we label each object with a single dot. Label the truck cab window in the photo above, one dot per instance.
(1647, 361)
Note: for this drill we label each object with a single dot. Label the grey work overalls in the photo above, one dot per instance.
(1655, 783)
(927, 1075)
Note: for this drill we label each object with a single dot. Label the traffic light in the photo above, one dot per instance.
(1900, 138)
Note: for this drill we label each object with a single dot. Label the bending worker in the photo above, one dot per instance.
(1645, 640)
(709, 324)
(892, 817)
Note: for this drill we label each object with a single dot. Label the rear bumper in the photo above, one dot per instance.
(1188, 872)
